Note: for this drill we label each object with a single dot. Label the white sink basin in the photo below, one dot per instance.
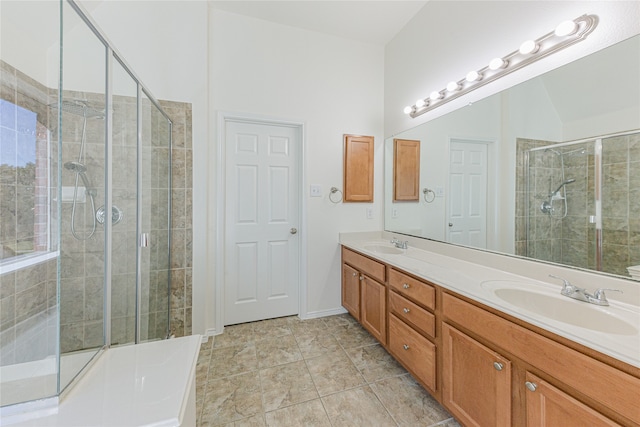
(383, 249)
(547, 303)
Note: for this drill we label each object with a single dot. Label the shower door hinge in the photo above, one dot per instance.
(144, 240)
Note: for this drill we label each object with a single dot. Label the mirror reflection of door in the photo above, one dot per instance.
(467, 195)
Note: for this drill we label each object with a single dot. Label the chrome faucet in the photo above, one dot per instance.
(399, 244)
(581, 294)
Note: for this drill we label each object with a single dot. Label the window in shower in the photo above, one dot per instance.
(25, 204)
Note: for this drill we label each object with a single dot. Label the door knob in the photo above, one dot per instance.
(293, 230)
(450, 224)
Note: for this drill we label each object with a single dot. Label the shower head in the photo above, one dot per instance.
(568, 181)
(80, 170)
(76, 167)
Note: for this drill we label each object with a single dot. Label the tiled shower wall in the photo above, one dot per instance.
(571, 240)
(29, 296)
(181, 217)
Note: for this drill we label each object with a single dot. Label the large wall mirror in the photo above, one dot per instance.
(548, 169)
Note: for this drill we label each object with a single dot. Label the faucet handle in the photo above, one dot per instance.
(565, 283)
(600, 296)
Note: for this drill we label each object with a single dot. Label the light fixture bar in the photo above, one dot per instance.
(566, 34)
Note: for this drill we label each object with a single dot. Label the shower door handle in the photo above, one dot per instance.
(144, 240)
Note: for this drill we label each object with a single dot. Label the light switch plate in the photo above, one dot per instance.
(370, 213)
(315, 191)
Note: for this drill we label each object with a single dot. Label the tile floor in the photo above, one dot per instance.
(318, 372)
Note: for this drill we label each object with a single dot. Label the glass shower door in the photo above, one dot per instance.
(154, 221)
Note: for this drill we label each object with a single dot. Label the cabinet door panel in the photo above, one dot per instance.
(351, 290)
(373, 308)
(548, 406)
(416, 352)
(476, 381)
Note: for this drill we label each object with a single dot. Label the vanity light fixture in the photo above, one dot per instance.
(564, 35)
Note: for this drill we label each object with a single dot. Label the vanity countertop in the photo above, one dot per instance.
(479, 283)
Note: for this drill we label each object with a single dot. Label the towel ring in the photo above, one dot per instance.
(334, 190)
(425, 195)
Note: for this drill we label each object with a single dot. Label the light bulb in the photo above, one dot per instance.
(420, 103)
(453, 86)
(473, 76)
(566, 28)
(528, 47)
(497, 63)
(434, 96)
(408, 110)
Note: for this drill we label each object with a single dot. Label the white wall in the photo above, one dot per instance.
(446, 39)
(334, 86)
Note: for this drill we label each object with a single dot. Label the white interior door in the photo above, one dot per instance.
(467, 217)
(261, 216)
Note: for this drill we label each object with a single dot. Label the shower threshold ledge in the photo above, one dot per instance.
(151, 384)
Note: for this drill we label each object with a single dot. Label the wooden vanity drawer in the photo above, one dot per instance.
(413, 314)
(416, 290)
(416, 352)
(365, 265)
(603, 383)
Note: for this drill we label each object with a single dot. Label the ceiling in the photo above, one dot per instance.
(374, 22)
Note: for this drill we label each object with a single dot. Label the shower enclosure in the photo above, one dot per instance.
(85, 184)
(581, 202)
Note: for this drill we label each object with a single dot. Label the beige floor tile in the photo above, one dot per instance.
(285, 385)
(233, 360)
(277, 351)
(339, 320)
(353, 336)
(334, 372)
(374, 363)
(308, 327)
(307, 414)
(271, 328)
(255, 421)
(232, 398)
(235, 335)
(356, 407)
(316, 344)
(408, 403)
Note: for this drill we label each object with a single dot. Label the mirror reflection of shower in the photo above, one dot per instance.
(82, 108)
(547, 206)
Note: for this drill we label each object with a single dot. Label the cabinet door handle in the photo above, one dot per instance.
(406, 347)
(355, 274)
(406, 310)
(361, 277)
(498, 366)
(531, 386)
(406, 286)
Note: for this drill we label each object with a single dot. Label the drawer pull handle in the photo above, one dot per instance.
(406, 310)
(361, 277)
(498, 366)
(531, 386)
(406, 286)
(406, 347)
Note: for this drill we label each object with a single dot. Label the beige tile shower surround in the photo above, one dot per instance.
(318, 372)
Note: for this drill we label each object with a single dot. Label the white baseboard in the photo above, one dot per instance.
(324, 313)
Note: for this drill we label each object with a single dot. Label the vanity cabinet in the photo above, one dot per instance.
(476, 381)
(486, 367)
(546, 405)
(364, 294)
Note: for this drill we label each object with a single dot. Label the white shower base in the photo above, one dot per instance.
(22, 382)
(150, 384)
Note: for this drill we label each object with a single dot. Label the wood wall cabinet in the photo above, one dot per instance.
(406, 170)
(358, 168)
(476, 381)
